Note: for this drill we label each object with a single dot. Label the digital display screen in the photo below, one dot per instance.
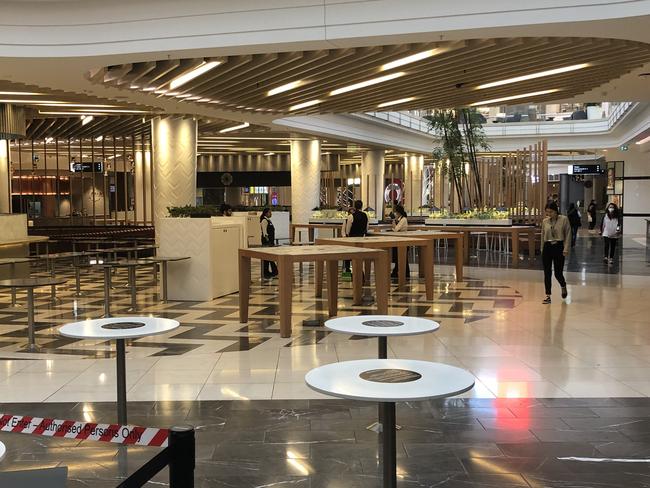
(587, 169)
(86, 167)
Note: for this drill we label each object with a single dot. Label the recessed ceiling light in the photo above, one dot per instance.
(532, 76)
(184, 95)
(643, 141)
(310, 103)
(366, 83)
(194, 73)
(86, 119)
(234, 127)
(160, 92)
(215, 101)
(285, 87)
(411, 59)
(49, 140)
(204, 99)
(192, 98)
(134, 87)
(269, 154)
(396, 102)
(149, 88)
(99, 138)
(172, 93)
(514, 97)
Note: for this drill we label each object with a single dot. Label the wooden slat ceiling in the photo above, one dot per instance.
(447, 79)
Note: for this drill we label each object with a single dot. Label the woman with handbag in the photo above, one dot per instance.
(591, 215)
(610, 229)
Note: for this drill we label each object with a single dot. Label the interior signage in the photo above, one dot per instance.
(76, 167)
(587, 169)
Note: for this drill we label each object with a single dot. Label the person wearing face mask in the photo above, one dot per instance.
(610, 229)
(556, 242)
(399, 224)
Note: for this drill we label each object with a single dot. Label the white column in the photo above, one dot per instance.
(372, 180)
(305, 179)
(5, 182)
(143, 186)
(413, 167)
(174, 160)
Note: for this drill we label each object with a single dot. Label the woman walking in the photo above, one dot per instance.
(269, 268)
(573, 214)
(556, 239)
(591, 215)
(610, 229)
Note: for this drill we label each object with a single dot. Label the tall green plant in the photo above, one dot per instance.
(460, 134)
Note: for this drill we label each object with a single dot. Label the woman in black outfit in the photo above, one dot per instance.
(269, 268)
(591, 211)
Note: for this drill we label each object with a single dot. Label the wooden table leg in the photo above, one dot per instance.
(244, 287)
(426, 261)
(465, 247)
(401, 264)
(284, 270)
(357, 281)
(531, 244)
(292, 233)
(514, 235)
(420, 268)
(319, 279)
(332, 286)
(366, 270)
(459, 258)
(382, 262)
(310, 231)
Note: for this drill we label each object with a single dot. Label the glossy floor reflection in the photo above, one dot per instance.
(324, 444)
(596, 344)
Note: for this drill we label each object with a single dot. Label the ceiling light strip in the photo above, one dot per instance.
(514, 97)
(194, 73)
(532, 76)
(411, 59)
(235, 127)
(366, 83)
(310, 103)
(396, 102)
(286, 87)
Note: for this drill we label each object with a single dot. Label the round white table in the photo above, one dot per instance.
(3, 451)
(388, 381)
(119, 329)
(382, 327)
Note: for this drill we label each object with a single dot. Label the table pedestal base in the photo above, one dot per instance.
(121, 381)
(389, 445)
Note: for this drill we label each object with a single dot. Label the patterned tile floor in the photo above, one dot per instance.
(597, 344)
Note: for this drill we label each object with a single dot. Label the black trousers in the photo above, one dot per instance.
(269, 268)
(610, 247)
(396, 268)
(553, 260)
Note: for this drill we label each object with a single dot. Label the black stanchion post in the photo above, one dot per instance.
(182, 457)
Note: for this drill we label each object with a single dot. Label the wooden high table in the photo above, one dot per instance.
(435, 235)
(514, 231)
(286, 256)
(311, 228)
(389, 242)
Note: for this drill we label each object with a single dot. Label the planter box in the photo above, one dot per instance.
(468, 222)
(213, 245)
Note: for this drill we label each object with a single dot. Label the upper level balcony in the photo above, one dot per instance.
(530, 120)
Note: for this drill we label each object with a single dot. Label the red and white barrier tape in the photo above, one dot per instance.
(71, 429)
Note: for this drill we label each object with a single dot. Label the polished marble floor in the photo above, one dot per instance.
(596, 344)
(458, 443)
